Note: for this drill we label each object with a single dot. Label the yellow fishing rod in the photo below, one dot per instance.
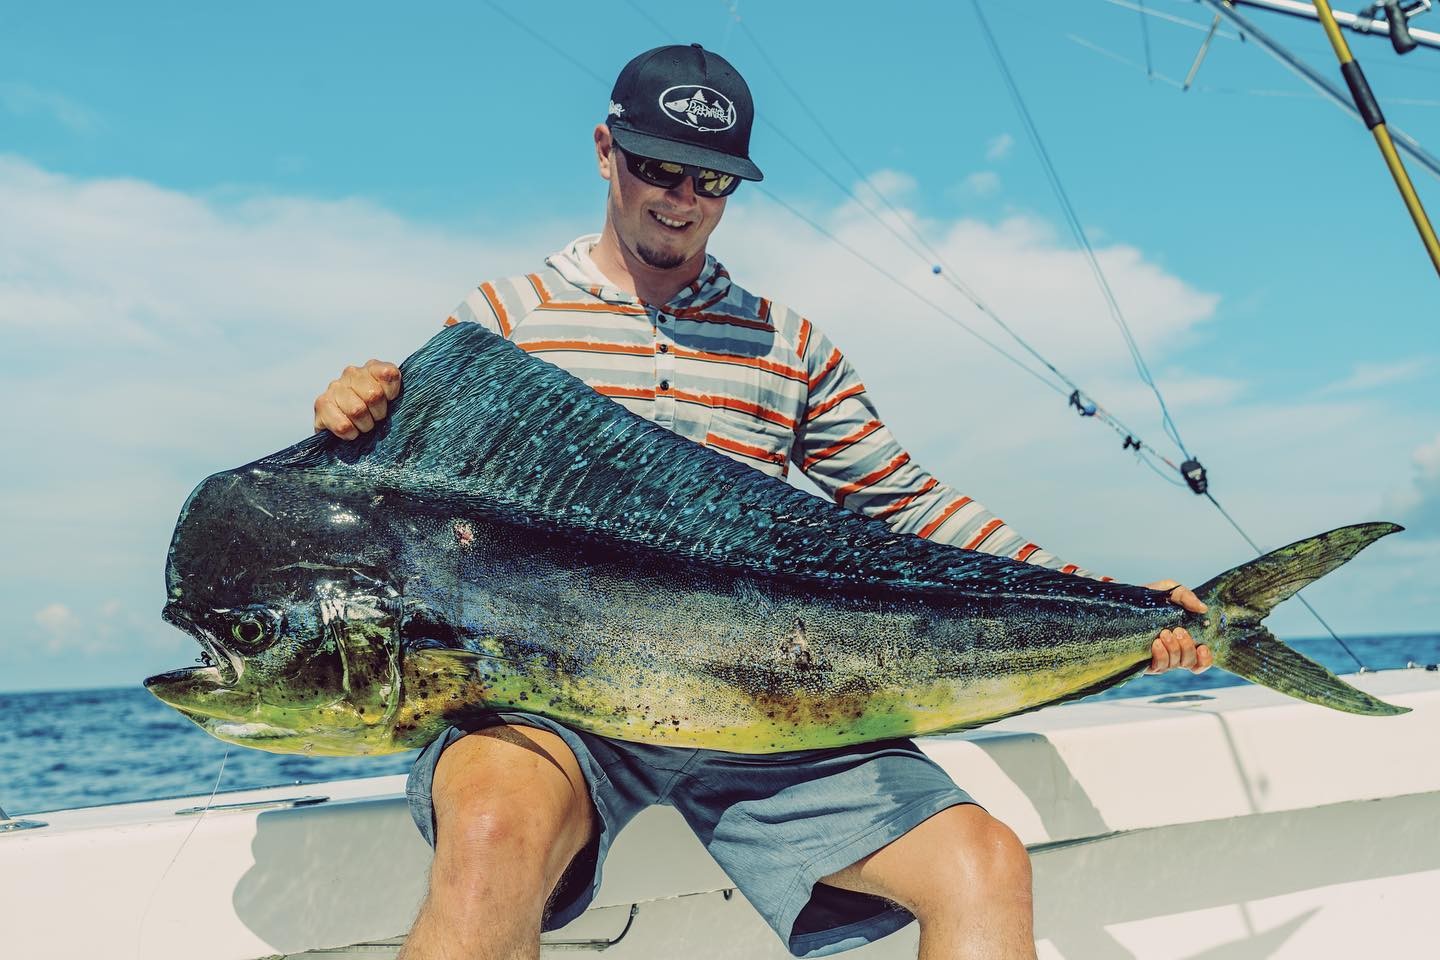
(1370, 112)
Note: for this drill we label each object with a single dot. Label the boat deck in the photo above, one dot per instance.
(1235, 823)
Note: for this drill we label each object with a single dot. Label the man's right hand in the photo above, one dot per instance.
(358, 399)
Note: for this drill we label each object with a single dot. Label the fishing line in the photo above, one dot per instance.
(1144, 452)
(909, 289)
(1145, 35)
(150, 902)
(1170, 18)
(1315, 613)
(545, 41)
(653, 22)
(941, 267)
(1076, 228)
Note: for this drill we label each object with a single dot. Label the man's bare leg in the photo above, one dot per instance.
(965, 876)
(511, 811)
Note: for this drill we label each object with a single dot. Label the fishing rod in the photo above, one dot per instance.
(1191, 472)
(1311, 76)
(1375, 120)
(1395, 23)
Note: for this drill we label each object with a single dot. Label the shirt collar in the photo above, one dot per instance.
(575, 265)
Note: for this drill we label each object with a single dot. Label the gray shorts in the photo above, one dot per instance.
(775, 823)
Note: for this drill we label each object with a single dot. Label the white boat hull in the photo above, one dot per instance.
(1244, 825)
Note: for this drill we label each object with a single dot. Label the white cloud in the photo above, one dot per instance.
(23, 100)
(981, 183)
(890, 185)
(1418, 503)
(1369, 376)
(998, 148)
(1285, 466)
(157, 336)
(64, 631)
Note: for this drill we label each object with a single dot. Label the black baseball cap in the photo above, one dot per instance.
(686, 105)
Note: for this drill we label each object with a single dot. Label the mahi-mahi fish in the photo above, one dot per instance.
(509, 539)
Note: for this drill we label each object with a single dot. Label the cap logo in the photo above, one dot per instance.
(616, 109)
(700, 108)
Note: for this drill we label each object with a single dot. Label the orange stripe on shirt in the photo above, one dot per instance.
(626, 393)
(846, 441)
(871, 478)
(724, 292)
(493, 298)
(731, 403)
(945, 514)
(825, 371)
(985, 531)
(700, 316)
(739, 360)
(834, 401)
(904, 502)
(735, 446)
(451, 321)
(804, 339)
(1026, 550)
(1069, 568)
(547, 302)
(586, 346)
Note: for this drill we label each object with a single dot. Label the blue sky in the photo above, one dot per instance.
(207, 212)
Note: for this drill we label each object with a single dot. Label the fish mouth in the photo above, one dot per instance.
(214, 655)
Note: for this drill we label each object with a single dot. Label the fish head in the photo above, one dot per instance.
(299, 631)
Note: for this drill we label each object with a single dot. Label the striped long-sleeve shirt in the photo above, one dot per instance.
(742, 375)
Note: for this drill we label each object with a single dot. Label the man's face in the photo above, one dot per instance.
(664, 229)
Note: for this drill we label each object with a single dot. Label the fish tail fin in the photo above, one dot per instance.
(1240, 598)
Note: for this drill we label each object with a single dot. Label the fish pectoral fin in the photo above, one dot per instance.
(447, 674)
(1262, 658)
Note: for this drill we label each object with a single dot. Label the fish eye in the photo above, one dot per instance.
(249, 633)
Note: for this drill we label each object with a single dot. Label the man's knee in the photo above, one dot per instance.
(511, 811)
(979, 858)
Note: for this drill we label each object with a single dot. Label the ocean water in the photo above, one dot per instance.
(85, 747)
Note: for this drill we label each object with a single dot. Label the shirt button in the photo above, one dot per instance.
(664, 348)
(662, 318)
(664, 384)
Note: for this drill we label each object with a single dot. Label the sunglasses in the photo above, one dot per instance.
(668, 175)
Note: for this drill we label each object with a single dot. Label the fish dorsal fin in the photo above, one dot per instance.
(481, 421)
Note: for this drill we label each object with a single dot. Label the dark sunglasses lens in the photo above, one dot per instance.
(713, 183)
(657, 172)
(667, 175)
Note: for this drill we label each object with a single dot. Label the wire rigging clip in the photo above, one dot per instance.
(1396, 21)
(1131, 442)
(1085, 405)
(1194, 473)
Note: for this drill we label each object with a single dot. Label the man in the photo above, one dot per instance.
(835, 848)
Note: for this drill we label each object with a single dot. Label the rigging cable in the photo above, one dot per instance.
(1196, 479)
(943, 269)
(1077, 229)
(1370, 112)
(1092, 409)
(149, 903)
(1144, 452)
(1192, 471)
(1145, 38)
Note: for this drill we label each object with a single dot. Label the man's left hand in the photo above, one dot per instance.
(1175, 647)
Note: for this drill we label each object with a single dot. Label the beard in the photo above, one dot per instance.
(658, 259)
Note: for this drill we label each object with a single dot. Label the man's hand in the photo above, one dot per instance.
(1176, 648)
(358, 399)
